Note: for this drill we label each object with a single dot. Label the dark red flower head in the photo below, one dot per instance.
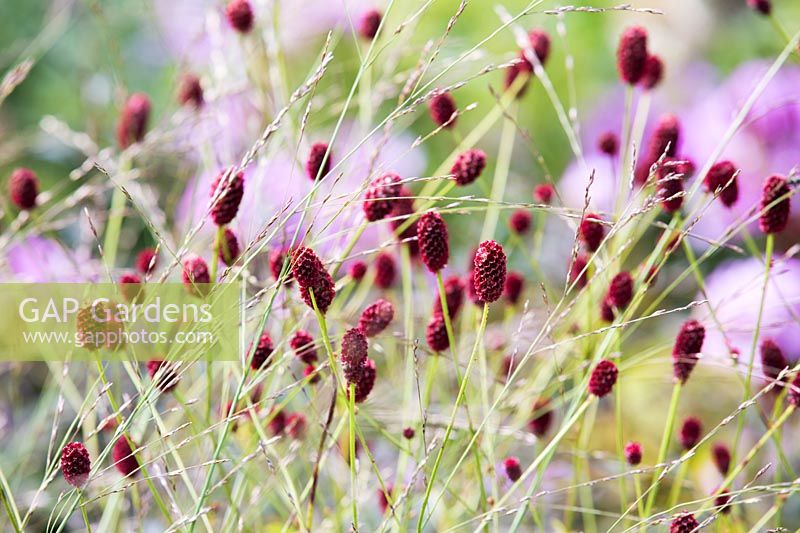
(195, 274)
(369, 23)
(670, 185)
(722, 457)
(379, 197)
(520, 221)
(146, 261)
(512, 468)
(683, 523)
(620, 291)
(453, 295)
(383, 498)
(513, 287)
(277, 422)
(434, 247)
(124, 460)
(226, 195)
(690, 433)
(543, 193)
(163, 374)
(762, 6)
(312, 277)
(311, 370)
(540, 45)
(793, 396)
(262, 353)
(363, 377)
(722, 500)
(653, 72)
(633, 453)
(490, 271)
(190, 92)
(75, 464)
(302, 343)
(442, 107)
(632, 55)
(402, 209)
(277, 257)
(608, 143)
(591, 231)
(385, 270)
(376, 317)
(606, 311)
(773, 361)
(240, 15)
(132, 124)
(23, 188)
(408, 433)
(357, 270)
(229, 247)
(318, 165)
(354, 348)
(436, 333)
(578, 273)
(664, 141)
(130, 286)
(603, 378)
(774, 205)
(471, 290)
(721, 178)
(688, 343)
(296, 426)
(542, 417)
(468, 166)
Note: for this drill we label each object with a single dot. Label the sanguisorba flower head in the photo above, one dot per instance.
(683, 523)
(302, 343)
(513, 287)
(633, 453)
(226, 194)
(380, 195)
(195, 274)
(436, 333)
(543, 193)
(443, 109)
(520, 222)
(369, 23)
(591, 231)
(761, 6)
(688, 344)
(163, 374)
(620, 291)
(793, 396)
(721, 177)
(721, 456)
(775, 205)
(354, 348)
(23, 188)
(130, 286)
(665, 138)
(670, 185)
(434, 247)
(317, 164)
(608, 143)
(539, 42)
(468, 166)
(262, 353)
(632, 54)
(190, 91)
(773, 361)
(277, 257)
(690, 432)
(603, 378)
(578, 273)
(512, 467)
(385, 270)
(146, 261)
(125, 461)
(311, 276)
(358, 370)
(357, 270)
(75, 464)
(132, 124)
(489, 271)
(542, 418)
(240, 15)
(229, 247)
(653, 72)
(376, 317)
(453, 295)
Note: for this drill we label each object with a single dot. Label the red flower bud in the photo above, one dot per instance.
(468, 166)
(277, 257)
(653, 72)
(190, 92)
(688, 343)
(124, 460)
(240, 15)
(721, 178)
(793, 396)
(302, 343)
(578, 273)
(722, 457)
(408, 433)
(443, 110)
(520, 221)
(684, 523)
(132, 124)
(380, 195)
(23, 188)
(434, 247)
(167, 377)
(311, 370)
(542, 417)
(774, 205)
(632, 55)
(603, 378)
(262, 353)
(376, 317)
(296, 426)
(146, 261)
(664, 141)
(312, 277)
(369, 24)
(229, 248)
(690, 433)
(633, 453)
(762, 6)
(385, 270)
(195, 275)
(513, 287)
(490, 271)
(620, 291)
(543, 193)
(591, 231)
(75, 464)
(670, 185)
(772, 359)
(453, 295)
(608, 143)
(363, 377)
(314, 166)
(436, 333)
(226, 195)
(357, 270)
(512, 468)
(354, 348)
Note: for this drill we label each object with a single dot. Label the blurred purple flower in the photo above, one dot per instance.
(734, 292)
(41, 260)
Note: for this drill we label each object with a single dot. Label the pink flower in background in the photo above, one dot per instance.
(41, 260)
(734, 292)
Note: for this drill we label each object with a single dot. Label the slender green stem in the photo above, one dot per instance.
(677, 485)
(665, 440)
(351, 408)
(218, 239)
(82, 505)
(116, 214)
(432, 480)
(620, 445)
